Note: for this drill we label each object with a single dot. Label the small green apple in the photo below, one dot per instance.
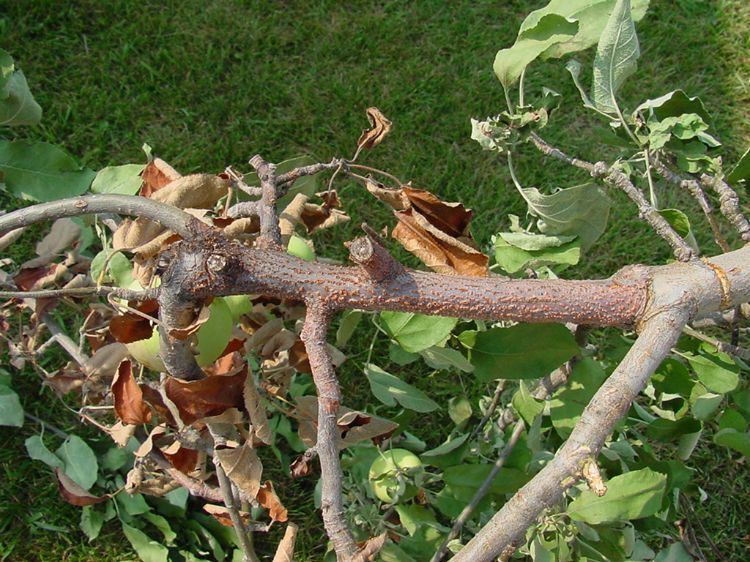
(384, 474)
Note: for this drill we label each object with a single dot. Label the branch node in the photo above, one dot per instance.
(368, 252)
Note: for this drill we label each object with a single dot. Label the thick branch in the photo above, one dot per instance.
(166, 215)
(329, 399)
(611, 402)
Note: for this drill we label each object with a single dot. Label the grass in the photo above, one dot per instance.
(211, 84)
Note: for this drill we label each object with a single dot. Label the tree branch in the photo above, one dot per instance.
(615, 178)
(313, 335)
(729, 204)
(82, 292)
(610, 403)
(166, 215)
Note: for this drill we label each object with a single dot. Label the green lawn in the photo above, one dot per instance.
(208, 84)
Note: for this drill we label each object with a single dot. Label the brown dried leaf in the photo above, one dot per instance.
(451, 218)
(182, 458)
(291, 214)
(62, 235)
(106, 360)
(436, 249)
(280, 341)
(257, 411)
(285, 550)
(128, 397)
(207, 397)
(156, 175)
(148, 445)
(73, 493)
(197, 191)
(267, 498)
(380, 127)
(243, 467)
(395, 198)
(67, 379)
(221, 514)
(130, 327)
(301, 466)
(153, 397)
(121, 433)
(260, 335)
(307, 414)
(318, 217)
(27, 279)
(190, 329)
(372, 546)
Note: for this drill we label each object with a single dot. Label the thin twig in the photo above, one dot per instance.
(377, 171)
(743, 354)
(47, 426)
(729, 204)
(694, 187)
(229, 502)
(82, 292)
(491, 410)
(481, 492)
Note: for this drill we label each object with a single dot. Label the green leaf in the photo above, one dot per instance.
(471, 476)
(17, 105)
(80, 461)
(416, 332)
(162, 524)
(717, 371)
(532, 42)
(732, 419)
(673, 104)
(513, 259)
(681, 224)
(118, 268)
(741, 172)
(125, 179)
(574, 67)
(534, 242)
(132, 504)
(446, 358)
(580, 211)
(568, 402)
(38, 451)
(91, 522)
(674, 553)
(632, 495)
(41, 171)
(11, 411)
(526, 405)
(591, 15)
(523, 351)
(415, 516)
(733, 439)
(349, 321)
(389, 390)
(616, 57)
(459, 409)
(147, 549)
(668, 430)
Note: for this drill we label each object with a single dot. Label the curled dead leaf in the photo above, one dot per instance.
(74, 494)
(380, 126)
(221, 514)
(156, 174)
(206, 397)
(256, 409)
(243, 467)
(268, 499)
(285, 550)
(128, 397)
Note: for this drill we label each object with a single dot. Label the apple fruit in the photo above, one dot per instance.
(388, 468)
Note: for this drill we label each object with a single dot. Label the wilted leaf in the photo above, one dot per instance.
(41, 171)
(80, 461)
(523, 351)
(11, 411)
(632, 495)
(389, 390)
(268, 499)
(380, 127)
(73, 493)
(372, 547)
(513, 258)
(301, 466)
(128, 398)
(673, 104)
(591, 16)
(17, 105)
(616, 57)
(532, 41)
(243, 467)
(580, 211)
